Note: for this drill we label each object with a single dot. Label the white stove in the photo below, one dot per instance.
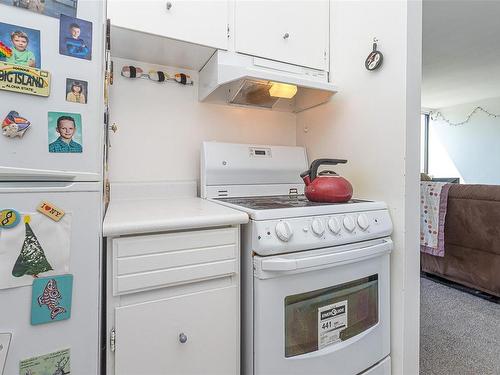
(315, 276)
(283, 223)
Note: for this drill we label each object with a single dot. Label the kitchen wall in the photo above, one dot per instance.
(468, 151)
(374, 123)
(161, 127)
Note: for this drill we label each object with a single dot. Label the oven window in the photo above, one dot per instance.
(323, 317)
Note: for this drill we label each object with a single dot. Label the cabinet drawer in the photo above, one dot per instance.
(148, 335)
(148, 262)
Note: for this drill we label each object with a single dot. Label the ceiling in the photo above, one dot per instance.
(461, 51)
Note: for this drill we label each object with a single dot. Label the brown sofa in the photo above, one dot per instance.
(472, 239)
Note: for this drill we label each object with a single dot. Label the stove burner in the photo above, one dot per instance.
(279, 201)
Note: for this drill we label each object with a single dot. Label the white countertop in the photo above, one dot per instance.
(160, 214)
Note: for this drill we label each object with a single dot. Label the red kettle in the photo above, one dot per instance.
(327, 186)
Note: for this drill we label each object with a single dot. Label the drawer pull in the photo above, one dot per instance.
(286, 36)
(169, 5)
(182, 338)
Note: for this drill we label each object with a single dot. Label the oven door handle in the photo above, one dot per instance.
(355, 255)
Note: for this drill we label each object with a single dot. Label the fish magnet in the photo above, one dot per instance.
(9, 218)
(14, 125)
(51, 299)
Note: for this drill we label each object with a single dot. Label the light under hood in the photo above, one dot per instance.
(233, 78)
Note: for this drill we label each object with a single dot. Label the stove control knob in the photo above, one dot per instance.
(334, 225)
(284, 231)
(363, 221)
(317, 227)
(349, 224)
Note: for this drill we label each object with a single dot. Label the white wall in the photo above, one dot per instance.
(374, 123)
(161, 127)
(469, 151)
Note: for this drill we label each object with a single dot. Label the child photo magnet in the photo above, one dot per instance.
(20, 45)
(51, 8)
(65, 132)
(76, 91)
(75, 37)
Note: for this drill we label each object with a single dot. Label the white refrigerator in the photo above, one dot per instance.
(39, 248)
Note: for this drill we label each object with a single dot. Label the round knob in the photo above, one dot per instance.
(284, 231)
(349, 224)
(286, 36)
(169, 5)
(363, 221)
(114, 128)
(334, 225)
(317, 227)
(182, 338)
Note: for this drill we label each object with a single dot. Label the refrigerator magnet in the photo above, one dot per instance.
(24, 80)
(76, 91)
(75, 37)
(14, 125)
(51, 299)
(65, 132)
(23, 43)
(51, 211)
(58, 363)
(9, 218)
(48, 8)
(39, 248)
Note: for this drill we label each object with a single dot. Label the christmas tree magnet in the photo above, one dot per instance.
(31, 260)
(14, 125)
(9, 218)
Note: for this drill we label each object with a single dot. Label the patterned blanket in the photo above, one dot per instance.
(433, 203)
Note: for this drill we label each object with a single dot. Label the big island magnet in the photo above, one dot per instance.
(24, 80)
(9, 218)
(14, 125)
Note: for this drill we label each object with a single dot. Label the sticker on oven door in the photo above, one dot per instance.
(332, 319)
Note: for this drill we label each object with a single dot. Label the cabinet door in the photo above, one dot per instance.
(148, 335)
(201, 22)
(293, 31)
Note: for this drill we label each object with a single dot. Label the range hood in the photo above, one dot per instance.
(233, 78)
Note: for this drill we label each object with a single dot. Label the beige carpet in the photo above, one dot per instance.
(459, 332)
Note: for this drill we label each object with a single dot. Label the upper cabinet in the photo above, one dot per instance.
(200, 22)
(292, 31)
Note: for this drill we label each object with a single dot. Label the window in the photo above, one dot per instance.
(324, 317)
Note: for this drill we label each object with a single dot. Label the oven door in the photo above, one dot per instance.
(322, 311)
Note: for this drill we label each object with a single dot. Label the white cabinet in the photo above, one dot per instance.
(200, 22)
(292, 31)
(174, 303)
(192, 334)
